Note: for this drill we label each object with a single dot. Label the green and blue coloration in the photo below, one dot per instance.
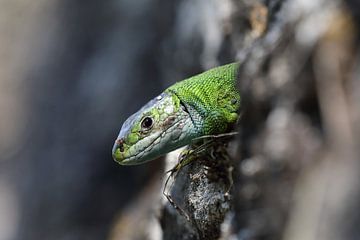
(205, 104)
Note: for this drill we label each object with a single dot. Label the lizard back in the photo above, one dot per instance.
(211, 98)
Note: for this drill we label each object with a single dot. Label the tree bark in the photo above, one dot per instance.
(296, 158)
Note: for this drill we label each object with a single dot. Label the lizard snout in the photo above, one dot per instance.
(120, 144)
(118, 148)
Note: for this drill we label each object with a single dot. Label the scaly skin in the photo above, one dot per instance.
(206, 104)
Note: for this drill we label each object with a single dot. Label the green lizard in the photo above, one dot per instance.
(205, 104)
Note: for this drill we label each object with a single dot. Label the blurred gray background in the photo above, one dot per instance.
(72, 71)
(70, 74)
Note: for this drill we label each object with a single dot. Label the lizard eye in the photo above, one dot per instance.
(147, 123)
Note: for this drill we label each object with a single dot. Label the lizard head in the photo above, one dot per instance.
(159, 127)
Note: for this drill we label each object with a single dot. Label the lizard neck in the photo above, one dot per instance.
(196, 112)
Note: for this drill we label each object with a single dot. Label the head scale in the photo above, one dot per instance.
(161, 126)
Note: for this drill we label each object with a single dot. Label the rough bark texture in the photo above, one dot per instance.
(201, 191)
(296, 159)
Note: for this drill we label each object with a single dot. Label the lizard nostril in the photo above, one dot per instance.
(120, 144)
